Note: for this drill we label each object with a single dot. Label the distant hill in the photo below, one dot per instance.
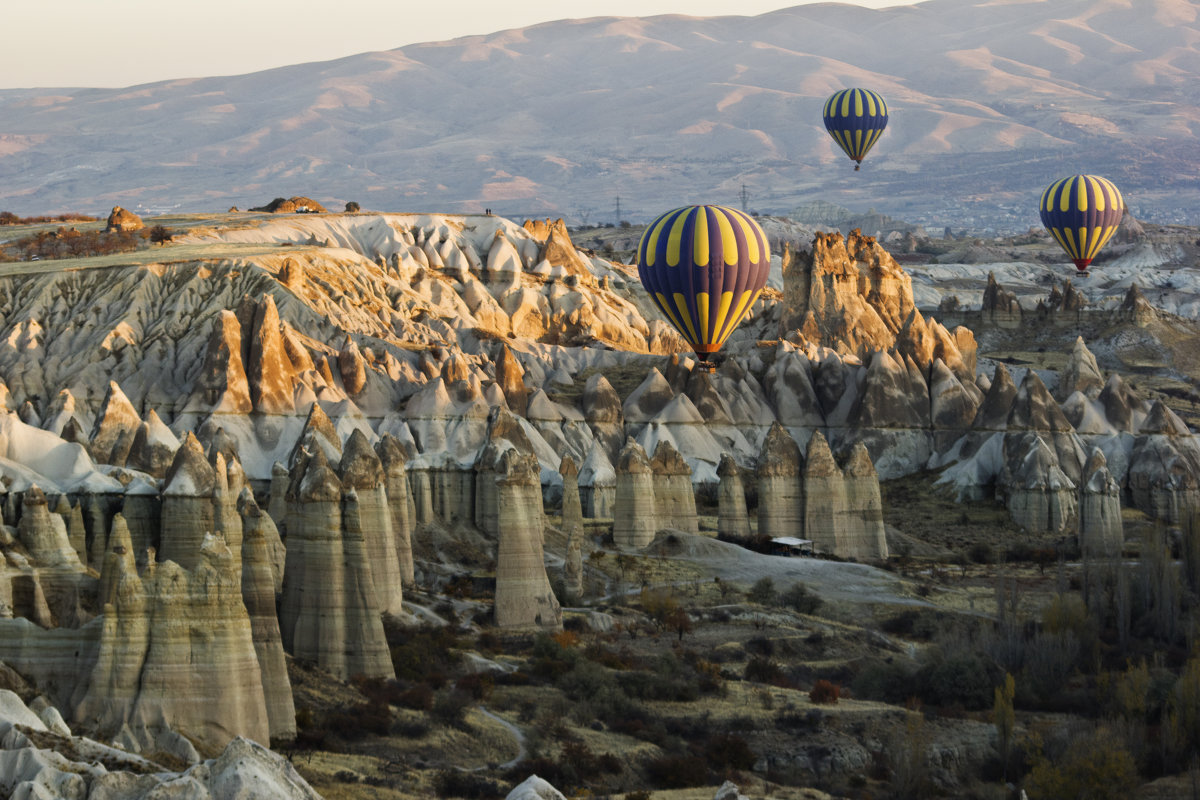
(990, 100)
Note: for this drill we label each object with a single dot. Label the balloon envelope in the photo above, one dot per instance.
(855, 118)
(1082, 213)
(704, 266)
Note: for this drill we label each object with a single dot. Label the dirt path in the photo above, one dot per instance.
(522, 753)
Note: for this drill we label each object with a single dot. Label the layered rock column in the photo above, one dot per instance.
(573, 563)
(825, 507)
(524, 598)
(258, 589)
(865, 538)
(572, 509)
(1101, 534)
(329, 613)
(187, 505)
(635, 512)
(732, 520)
(362, 471)
(780, 491)
(673, 491)
(391, 457)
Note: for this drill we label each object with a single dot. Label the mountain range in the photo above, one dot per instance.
(989, 100)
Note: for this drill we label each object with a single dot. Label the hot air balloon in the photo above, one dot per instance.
(704, 266)
(855, 118)
(1082, 213)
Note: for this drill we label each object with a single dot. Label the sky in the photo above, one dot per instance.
(117, 43)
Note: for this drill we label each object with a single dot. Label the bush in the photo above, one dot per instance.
(727, 751)
(801, 599)
(824, 693)
(352, 207)
(764, 670)
(763, 592)
(676, 772)
(450, 707)
(452, 783)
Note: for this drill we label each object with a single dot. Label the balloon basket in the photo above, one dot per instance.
(706, 367)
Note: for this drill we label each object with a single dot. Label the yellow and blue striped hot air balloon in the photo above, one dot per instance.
(1082, 213)
(704, 266)
(855, 118)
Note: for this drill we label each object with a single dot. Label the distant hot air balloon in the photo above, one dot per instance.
(704, 266)
(1082, 213)
(855, 118)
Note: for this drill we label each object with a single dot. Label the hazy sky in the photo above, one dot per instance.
(126, 42)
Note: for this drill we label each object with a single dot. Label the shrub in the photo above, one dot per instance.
(798, 597)
(418, 698)
(726, 751)
(824, 693)
(352, 207)
(450, 707)
(676, 772)
(763, 592)
(764, 670)
(452, 783)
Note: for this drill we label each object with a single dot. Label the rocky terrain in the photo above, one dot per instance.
(244, 471)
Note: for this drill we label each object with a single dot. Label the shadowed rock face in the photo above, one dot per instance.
(635, 512)
(1039, 496)
(732, 519)
(780, 490)
(116, 426)
(1164, 470)
(1101, 534)
(524, 598)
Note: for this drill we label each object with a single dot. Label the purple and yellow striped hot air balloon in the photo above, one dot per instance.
(704, 266)
(1082, 213)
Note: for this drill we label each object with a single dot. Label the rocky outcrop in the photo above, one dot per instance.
(122, 220)
(153, 448)
(1101, 534)
(261, 579)
(329, 612)
(1000, 308)
(44, 534)
(1164, 469)
(1039, 495)
(1081, 373)
(732, 519)
(604, 415)
(511, 379)
(1136, 308)
(635, 510)
(116, 426)
(147, 675)
(780, 490)
(362, 471)
(673, 494)
(524, 598)
(293, 205)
